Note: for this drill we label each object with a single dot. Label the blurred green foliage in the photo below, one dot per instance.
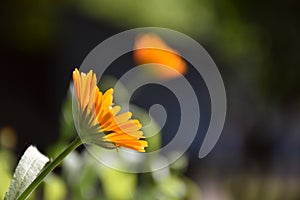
(215, 23)
(247, 37)
(55, 188)
(30, 26)
(6, 165)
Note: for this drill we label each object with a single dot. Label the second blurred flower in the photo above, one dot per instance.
(151, 49)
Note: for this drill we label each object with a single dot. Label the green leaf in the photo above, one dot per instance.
(27, 170)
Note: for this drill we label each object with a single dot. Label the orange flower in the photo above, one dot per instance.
(152, 49)
(98, 120)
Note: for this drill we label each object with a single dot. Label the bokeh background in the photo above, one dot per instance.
(255, 44)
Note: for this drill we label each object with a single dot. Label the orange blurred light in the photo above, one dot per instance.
(150, 48)
(8, 137)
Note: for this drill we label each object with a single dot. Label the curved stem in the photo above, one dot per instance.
(48, 168)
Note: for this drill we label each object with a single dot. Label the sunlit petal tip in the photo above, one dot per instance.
(115, 110)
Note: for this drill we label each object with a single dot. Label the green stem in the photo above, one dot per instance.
(49, 167)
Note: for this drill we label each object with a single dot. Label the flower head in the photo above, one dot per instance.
(99, 122)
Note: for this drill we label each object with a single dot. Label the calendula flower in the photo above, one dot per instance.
(99, 121)
(159, 53)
